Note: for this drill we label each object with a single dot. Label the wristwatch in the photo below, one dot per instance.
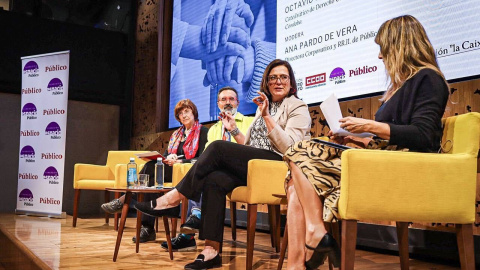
(234, 132)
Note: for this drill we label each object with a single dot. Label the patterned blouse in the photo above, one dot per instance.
(259, 132)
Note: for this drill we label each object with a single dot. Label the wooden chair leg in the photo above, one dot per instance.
(233, 219)
(349, 241)
(277, 216)
(169, 240)
(156, 224)
(107, 199)
(402, 236)
(251, 224)
(283, 249)
(184, 211)
(75, 207)
(271, 223)
(465, 246)
(116, 215)
(174, 227)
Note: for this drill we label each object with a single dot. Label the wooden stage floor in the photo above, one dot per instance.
(54, 243)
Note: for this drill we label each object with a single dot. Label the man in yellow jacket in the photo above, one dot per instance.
(227, 101)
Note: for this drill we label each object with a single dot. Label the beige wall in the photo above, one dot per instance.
(4, 4)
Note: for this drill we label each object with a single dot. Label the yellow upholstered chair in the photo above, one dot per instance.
(265, 177)
(100, 177)
(414, 187)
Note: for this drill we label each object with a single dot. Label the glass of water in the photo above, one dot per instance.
(143, 180)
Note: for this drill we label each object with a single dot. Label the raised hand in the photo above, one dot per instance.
(228, 121)
(262, 103)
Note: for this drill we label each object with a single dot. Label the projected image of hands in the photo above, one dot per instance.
(217, 43)
(228, 21)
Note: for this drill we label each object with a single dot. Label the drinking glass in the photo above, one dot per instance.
(143, 180)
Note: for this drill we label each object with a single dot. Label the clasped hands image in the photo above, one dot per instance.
(225, 34)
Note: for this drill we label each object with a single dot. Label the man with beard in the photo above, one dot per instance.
(227, 101)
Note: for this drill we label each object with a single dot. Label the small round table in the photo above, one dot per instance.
(128, 196)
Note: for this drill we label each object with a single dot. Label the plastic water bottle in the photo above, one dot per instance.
(131, 173)
(159, 173)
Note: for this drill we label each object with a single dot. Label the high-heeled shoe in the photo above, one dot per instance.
(326, 247)
(148, 209)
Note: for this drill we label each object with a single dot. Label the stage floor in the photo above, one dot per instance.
(54, 243)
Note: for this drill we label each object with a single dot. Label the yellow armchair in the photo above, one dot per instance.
(264, 178)
(100, 177)
(413, 187)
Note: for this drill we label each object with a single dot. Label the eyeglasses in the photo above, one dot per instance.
(231, 99)
(184, 112)
(274, 78)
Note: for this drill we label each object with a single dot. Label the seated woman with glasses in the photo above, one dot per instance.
(408, 119)
(281, 120)
(186, 143)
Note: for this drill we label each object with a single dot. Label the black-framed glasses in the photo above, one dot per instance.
(274, 78)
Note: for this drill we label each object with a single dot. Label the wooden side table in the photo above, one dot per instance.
(128, 196)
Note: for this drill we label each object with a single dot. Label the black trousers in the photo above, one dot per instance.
(222, 167)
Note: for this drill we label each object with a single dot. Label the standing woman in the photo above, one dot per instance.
(281, 120)
(408, 119)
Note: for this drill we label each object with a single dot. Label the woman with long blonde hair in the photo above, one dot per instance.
(409, 119)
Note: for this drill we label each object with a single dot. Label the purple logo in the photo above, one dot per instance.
(52, 129)
(27, 152)
(337, 75)
(31, 68)
(50, 173)
(26, 196)
(29, 109)
(56, 86)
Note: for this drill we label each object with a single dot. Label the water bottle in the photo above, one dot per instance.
(159, 173)
(131, 173)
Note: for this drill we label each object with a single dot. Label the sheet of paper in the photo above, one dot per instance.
(331, 110)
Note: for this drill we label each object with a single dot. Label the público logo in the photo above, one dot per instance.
(31, 69)
(53, 129)
(337, 75)
(362, 70)
(51, 174)
(316, 80)
(28, 153)
(26, 196)
(55, 86)
(30, 111)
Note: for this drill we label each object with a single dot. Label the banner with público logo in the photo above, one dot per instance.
(43, 134)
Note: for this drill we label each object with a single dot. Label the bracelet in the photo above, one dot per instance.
(234, 132)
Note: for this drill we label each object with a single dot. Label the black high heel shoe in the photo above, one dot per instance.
(327, 247)
(148, 209)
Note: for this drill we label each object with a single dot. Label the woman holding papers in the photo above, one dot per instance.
(281, 120)
(186, 143)
(408, 119)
